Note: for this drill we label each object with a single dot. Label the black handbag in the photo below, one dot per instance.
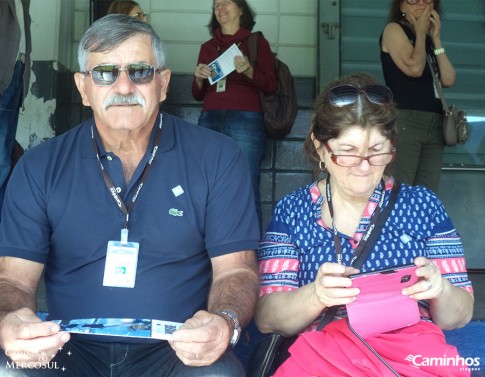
(273, 349)
(268, 355)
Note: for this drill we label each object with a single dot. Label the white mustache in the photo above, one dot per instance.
(119, 99)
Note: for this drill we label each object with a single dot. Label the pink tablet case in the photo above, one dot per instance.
(380, 306)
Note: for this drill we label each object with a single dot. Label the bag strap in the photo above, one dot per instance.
(253, 46)
(358, 263)
(437, 84)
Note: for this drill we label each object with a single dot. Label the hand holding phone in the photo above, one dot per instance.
(380, 306)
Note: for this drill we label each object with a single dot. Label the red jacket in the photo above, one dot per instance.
(241, 92)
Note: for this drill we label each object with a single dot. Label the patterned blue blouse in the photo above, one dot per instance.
(297, 241)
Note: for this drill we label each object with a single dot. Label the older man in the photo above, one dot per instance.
(168, 201)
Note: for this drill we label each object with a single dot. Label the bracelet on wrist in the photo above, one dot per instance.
(232, 317)
(439, 51)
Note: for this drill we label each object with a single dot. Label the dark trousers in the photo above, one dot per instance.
(419, 148)
(99, 359)
(246, 128)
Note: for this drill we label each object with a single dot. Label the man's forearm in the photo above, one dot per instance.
(237, 291)
(14, 298)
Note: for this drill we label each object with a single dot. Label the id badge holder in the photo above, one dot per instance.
(221, 85)
(121, 262)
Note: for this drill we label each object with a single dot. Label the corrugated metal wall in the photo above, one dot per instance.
(462, 188)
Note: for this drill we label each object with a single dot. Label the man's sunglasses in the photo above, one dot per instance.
(343, 95)
(107, 74)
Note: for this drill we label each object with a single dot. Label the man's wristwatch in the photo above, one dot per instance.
(236, 328)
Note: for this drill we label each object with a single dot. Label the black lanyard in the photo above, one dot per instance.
(109, 182)
(370, 228)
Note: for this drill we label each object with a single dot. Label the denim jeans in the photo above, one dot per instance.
(246, 128)
(98, 359)
(10, 102)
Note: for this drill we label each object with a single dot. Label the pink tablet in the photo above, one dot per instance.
(380, 305)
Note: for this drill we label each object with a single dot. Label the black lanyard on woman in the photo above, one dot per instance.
(370, 228)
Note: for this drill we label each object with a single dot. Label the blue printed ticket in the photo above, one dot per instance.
(126, 327)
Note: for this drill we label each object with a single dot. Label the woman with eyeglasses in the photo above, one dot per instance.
(412, 34)
(232, 105)
(317, 232)
(129, 7)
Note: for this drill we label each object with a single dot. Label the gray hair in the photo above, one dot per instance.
(109, 32)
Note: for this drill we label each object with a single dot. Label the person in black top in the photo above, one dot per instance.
(414, 32)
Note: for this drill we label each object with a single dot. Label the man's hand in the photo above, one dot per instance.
(26, 339)
(202, 339)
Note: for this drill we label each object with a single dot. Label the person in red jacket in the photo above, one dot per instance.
(232, 105)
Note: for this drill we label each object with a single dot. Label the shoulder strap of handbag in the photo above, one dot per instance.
(253, 46)
(330, 313)
(437, 83)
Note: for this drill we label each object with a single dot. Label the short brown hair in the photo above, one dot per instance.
(329, 122)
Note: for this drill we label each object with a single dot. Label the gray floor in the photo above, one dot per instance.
(478, 280)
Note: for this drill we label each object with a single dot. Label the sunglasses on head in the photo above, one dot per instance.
(107, 74)
(343, 95)
(414, 2)
(140, 15)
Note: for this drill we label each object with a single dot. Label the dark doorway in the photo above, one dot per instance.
(98, 9)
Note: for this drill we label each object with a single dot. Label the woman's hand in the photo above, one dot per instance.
(430, 284)
(450, 306)
(435, 25)
(332, 285)
(242, 64)
(202, 71)
(422, 24)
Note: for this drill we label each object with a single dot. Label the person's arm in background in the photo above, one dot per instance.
(22, 334)
(201, 74)
(447, 71)
(262, 73)
(411, 60)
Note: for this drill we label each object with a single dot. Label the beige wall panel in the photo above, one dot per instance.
(182, 58)
(298, 30)
(179, 27)
(299, 6)
(264, 6)
(301, 60)
(181, 5)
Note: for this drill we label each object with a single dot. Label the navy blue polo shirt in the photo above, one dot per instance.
(196, 203)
